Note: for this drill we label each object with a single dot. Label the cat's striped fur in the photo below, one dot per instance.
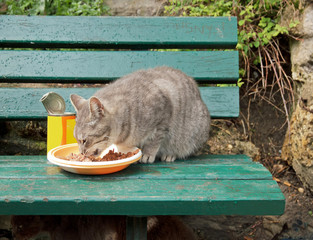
(159, 110)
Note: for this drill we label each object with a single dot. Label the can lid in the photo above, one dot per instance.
(63, 114)
(53, 103)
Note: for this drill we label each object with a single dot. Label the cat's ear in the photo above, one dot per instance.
(96, 107)
(77, 101)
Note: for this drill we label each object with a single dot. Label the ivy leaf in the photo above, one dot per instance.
(256, 44)
(239, 46)
(240, 82)
(241, 22)
(293, 24)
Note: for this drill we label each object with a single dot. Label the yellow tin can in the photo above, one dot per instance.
(60, 130)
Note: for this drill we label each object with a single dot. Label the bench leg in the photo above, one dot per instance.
(136, 228)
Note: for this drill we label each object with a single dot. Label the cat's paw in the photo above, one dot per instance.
(167, 158)
(147, 158)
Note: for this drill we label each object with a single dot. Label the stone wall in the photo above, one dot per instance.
(135, 7)
(298, 145)
(302, 48)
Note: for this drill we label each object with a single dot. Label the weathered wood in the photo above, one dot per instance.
(23, 103)
(137, 197)
(99, 66)
(209, 167)
(118, 32)
(214, 172)
(206, 185)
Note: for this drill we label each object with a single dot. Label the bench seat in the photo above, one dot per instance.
(203, 185)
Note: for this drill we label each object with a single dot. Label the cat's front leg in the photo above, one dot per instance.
(151, 147)
(149, 153)
(147, 158)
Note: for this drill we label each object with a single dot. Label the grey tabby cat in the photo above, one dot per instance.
(159, 110)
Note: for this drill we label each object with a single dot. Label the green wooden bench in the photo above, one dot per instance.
(204, 185)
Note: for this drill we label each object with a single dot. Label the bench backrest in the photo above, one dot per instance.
(90, 50)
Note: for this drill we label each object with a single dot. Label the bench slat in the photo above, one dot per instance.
(127, 194)
(97, 66)
(192, 197)
(23, 103)
(161, 172)
(202, 160)
(201, 167)
(118, 32)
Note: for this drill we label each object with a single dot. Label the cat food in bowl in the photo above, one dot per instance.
(110, 156)
(68, 158)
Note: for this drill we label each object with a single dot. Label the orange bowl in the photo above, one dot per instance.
(58, 156)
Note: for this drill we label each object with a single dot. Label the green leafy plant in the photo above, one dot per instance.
(259, 32)
(56, 7)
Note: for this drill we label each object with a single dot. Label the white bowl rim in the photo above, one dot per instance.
(67, 163)
(90, 166)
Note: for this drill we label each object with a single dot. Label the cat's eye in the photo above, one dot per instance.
(84, 141)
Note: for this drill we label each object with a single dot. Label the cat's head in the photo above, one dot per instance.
(93, 125)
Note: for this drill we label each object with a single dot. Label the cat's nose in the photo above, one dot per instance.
(83, 151)
(91, 153)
